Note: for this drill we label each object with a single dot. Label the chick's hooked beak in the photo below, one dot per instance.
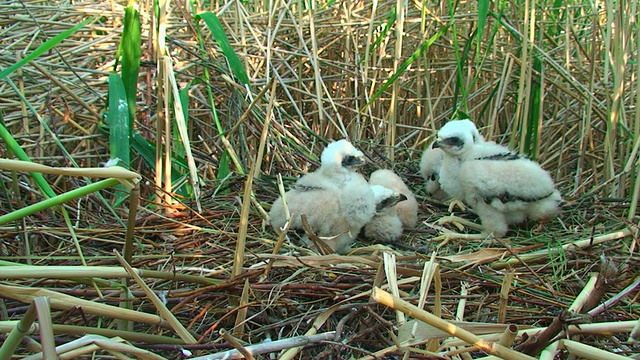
(454, 142)
(392, 200)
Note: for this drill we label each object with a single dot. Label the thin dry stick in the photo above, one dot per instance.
(614, 300)
(236, 344)
(241, 315)
(184, 334)
(387, 299)
(397, 60)
(317, 323)
(238, 258)
(269, 347)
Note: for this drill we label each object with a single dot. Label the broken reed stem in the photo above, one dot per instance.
(549, 353)
(389, 300)
(634, 335)
(584, 295)
(504, 297)
(506, 339)
(508, 335)
(92, 343)
(392, 279)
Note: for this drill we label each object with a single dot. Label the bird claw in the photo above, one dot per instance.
(457, 203)
(448, 236)
(458, 222)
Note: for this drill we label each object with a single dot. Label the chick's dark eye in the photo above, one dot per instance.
(350, 160)
(433, 177)
(454, 141)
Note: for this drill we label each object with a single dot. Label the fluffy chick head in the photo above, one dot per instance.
(430, 164)
(385, 197)
(457, 136)
(342, 153)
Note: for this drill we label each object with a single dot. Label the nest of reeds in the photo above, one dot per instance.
(244, 92)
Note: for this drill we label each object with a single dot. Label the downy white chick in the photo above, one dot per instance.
(385, 226)
(502, 187)
(408, 209)
(336, 200)
(430, 164)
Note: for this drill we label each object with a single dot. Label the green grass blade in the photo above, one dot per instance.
(384, 30)
(13, 145)
(131, 50)
(531, 137)
(185, 189)
(416, 54)
(58, 200)
(46, 46)
(237, 68)
(119, 129)
(223, 168)
(461, 89)
(483, 12)
(119, 121)
(210, 98)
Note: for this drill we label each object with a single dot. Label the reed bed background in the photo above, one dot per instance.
(208, 102)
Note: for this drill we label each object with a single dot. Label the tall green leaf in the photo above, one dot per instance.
(130, 51)
(237, 68)
(483, 11)
(531, 137)
(119, 128)
(119, 122)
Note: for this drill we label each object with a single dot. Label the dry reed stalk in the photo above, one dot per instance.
(504, 296)
(409, 309)
(389, 261)
(241, 315)
(91, 343)
(66, 302)
(588, 352)
(7, 326)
